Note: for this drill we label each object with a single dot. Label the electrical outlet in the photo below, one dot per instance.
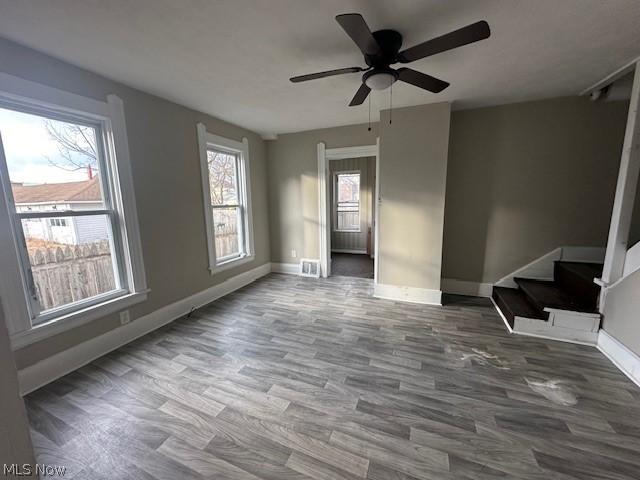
(124, 317)
(294, 254)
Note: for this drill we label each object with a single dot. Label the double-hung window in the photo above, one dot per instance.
(347, 202)
(70, 244)
(225, 184)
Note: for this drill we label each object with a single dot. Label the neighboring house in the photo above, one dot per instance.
(83, 195)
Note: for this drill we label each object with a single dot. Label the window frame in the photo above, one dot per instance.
(119, 206)
(209, 141)
(335, 201)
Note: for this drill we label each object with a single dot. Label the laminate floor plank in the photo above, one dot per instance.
(299, 379)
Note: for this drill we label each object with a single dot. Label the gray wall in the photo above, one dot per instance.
(293, 187)
(15, 440)
(166, 174)
(621, 315)
(355, 240)
(413, 170)
(527, 178)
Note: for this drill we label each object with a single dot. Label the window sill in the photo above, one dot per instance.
(231, 264)
(75, 319)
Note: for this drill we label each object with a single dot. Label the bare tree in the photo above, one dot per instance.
(222, 172)
(76, 146)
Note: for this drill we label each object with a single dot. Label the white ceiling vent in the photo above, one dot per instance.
(309, 268)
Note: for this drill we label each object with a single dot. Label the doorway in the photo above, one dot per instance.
(351, 219)
(348, 210)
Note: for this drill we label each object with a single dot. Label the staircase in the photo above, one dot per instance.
(564, 309)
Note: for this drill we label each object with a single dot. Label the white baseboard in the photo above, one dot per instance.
(347, 250)
(288, 268)
(623, 358)
(464, 287)
(408, 294)
(60, 364)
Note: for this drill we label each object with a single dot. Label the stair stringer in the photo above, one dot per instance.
(542, 268)
(563, 325)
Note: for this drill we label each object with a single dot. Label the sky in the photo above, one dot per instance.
(27, 146)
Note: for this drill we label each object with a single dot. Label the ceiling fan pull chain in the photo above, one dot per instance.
(369, 113)
(390, 103)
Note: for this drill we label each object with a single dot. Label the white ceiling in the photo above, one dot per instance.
(233, 58)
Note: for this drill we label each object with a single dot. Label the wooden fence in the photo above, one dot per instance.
(68, 274)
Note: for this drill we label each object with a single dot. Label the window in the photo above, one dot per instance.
(58, 222)
(347, 202)
(67, 158)
(225, 183)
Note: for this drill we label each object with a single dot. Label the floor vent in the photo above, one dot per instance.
(309, 268)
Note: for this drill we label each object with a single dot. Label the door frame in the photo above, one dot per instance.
(325, 155)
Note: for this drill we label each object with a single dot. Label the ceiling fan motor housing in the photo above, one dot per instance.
(390, 43)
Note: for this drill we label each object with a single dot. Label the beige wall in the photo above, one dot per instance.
(366, 166)
(15, 440)
(413, 163)
(527, 178)
(413, 169)
(621, 315)
(293, 187)
(166, 175)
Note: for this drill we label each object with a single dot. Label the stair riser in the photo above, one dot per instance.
(584, 290)
(539, 307)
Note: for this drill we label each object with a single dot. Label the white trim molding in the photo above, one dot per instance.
(323, 212)
(208, 140)
(623, 358)
(623, 203)
(26, 321)
(408, 294)
(542, 268)
(60, 364)
(464, 287)
(287, 268)
(325, 155)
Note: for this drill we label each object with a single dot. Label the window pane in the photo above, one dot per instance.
(349, 220)
(349, 187)
(225, 228)
(70, 262)
(52, 165)
(222, 178)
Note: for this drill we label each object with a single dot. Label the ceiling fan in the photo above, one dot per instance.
(382, 49)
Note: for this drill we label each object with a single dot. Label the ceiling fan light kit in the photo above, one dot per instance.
(381, 49)
(379, 79)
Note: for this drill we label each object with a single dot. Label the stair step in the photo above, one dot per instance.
(576, 278)
(543, 294)
(514, 303)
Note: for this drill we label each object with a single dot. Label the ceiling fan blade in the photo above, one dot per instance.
(360, 96)
(422, 80)
(463, 36)
(358, 30)
(328, 73)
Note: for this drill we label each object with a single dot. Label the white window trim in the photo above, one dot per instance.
(110, 114)
(205, 140)
(335, 202)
